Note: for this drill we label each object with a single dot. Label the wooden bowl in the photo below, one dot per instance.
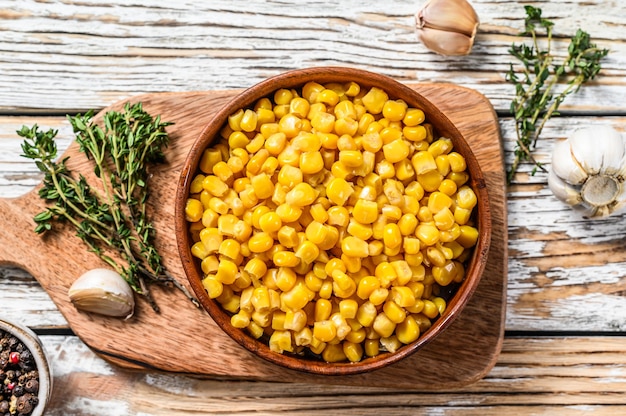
(395, 90)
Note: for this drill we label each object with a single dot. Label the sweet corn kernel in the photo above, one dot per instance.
(448, 187)
(297, 297)
(338, 191)
(378, 296)
(301, 195)
(414, 133)
(213, 287)
(346, 126)
(324, 330)
(427, 233)
(365, 212)
(444, 219)
(457, 162)
(209, 158)
(366, 314)
(307, 252)
(226, 271)
(366, 286)
(211, 238)
(466, 198)
(462, 215)
(394, 110)
(285, 259)
(230, 248)
(260, 242)
(408, 330)
(383, 325)
(460, 178)
(423, 162)
(193, 210)
(430, 309)
(430, 180)
(215, 185)
(288, 236)
(443, 146)
(311, 162)
(468, 236)
(295, 320)
(323, 122)
(413, 117)
(333, 353)
(392, 237)
(196, 184)
(375, 100)
(446, 273)
(270, 222)
(354, 247)
(396, 151)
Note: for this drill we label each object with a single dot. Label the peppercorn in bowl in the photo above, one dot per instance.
(332, 220)
(25, 375)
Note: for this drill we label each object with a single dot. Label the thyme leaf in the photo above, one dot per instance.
(112, 217)
(536, 96)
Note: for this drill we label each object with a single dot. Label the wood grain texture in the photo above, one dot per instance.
(153, 341)
(534, 376)
(100, 52)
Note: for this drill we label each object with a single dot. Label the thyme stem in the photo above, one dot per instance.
(115, 222)
(536, 101)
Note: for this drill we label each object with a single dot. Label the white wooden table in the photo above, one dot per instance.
(565, 343)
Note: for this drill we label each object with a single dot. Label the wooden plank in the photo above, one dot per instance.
(560, 264)
(155, 338)
(572, 376)
(102, 52)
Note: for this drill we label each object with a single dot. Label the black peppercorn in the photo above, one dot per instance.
(24, 403)
(18, 390)
(19, 378)
(32, 386)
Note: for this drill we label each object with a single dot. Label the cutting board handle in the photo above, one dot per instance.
(14, 244)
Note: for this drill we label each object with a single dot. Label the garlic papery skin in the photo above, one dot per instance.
(589, 170)
(103, 291)
(447, 27)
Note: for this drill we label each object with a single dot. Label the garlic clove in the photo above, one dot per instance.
(449, 15)
(447, 27)
(594, 158)
(565, 166)
(562, 190)
(450, 44)
(104, 292)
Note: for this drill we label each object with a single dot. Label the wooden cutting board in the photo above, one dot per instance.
(184, 339)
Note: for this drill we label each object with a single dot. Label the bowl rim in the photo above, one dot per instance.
(35, 346)
(297, 78)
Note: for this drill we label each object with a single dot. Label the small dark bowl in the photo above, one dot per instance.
(395, 90)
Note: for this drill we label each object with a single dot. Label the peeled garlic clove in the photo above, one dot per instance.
(565, 165)
(447, 27)
(593, 158)
(104, 292)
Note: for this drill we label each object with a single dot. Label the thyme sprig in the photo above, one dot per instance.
(536, 97)
(111, 218)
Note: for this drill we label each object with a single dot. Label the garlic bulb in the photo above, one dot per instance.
(589, 170)
(103, 291)
(447, 27)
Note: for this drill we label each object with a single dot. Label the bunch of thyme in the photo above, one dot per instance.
(536, 100)
(110, 218)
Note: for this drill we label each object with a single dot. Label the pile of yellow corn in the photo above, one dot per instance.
(328, 218)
